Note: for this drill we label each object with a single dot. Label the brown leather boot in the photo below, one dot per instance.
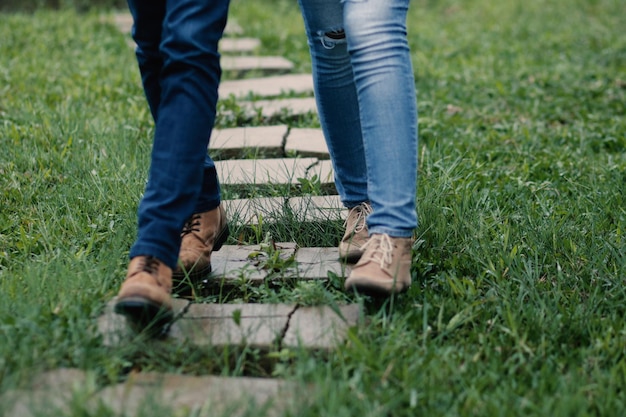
(144, 297)
(202, 234)
(384, 268)
(356, 235)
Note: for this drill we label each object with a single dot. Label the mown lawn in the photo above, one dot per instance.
(518, 302)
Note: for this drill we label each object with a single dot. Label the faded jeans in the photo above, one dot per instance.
(179, 63)
(365, 93)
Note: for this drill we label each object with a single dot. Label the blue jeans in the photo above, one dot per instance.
(365, 92)
(179, 63)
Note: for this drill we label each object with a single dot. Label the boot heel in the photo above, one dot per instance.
(221, 238)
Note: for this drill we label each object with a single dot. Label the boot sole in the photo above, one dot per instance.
(144, 315)
(373, 290)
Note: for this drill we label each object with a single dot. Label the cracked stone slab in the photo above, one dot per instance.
(263, 171)
(233, 263)
(238, 45)
(321, 327)
(219, 325)
(233, 141)
(267, 86)
(283, 106)
(114, 328)
(324, 171)
(266, 64)
(307, 142)
(316, 263)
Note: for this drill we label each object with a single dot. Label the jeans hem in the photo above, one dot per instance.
(156, 251)
(391, 232)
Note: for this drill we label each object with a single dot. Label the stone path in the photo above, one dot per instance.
(290, 156)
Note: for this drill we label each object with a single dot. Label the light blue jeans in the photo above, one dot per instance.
(365, 92)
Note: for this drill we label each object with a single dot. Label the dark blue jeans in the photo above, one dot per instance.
(179, 63)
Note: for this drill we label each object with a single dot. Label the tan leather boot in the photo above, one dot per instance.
(355, 236)
(384, 268)
(144, 297)
(202, 234)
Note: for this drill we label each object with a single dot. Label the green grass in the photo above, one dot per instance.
(518, 302)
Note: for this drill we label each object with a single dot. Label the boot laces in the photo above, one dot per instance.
(382, 249)
(362, 211)
(191, 225)
(151, 265)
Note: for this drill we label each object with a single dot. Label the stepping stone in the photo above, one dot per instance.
(233, 264)
(232, 28)
(57, 392)
(316, 263)
(123, 21)
(283, 106)
(318, 208)
(266, 64)
(266, 326)
(114, 328)
(324, 171)
(271, 210)
(267, 86)
(307, 142)
(321, 327)
(238, 45)
(283, 171)
(221, 325)
(48, 391)
(204, 396)
(252, 263)
(233, 142)
(255, 210)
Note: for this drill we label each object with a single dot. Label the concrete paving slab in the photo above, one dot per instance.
(318, 208)
(284, 107)
(49, 394)
(114, 328)
(324, 171)
(267, 86)
(233, 263)
(233, 142)
(265, 64)
(200, 395)
(307, 142)
(316, 263)
(283, 171)
(219, 325)
(321, 327)
(233, 28)
(238, 45)
(255, 210)
(56, 393)
(123, 21)
(250, 211)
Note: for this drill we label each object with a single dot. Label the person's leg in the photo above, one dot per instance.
(146, 32)
(335, 94)
(189, 80)
(376, 34)
(177, 54)
(338, 109)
